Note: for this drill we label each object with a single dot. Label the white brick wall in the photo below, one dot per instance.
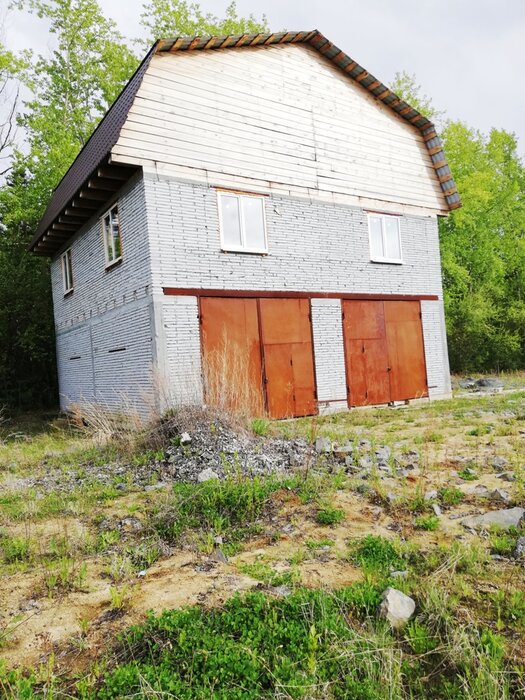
(435, 338)
(330, 370)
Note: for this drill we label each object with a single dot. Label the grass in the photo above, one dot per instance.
(325, 641)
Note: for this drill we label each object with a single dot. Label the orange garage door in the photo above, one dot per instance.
(385, 356)
(258, 354)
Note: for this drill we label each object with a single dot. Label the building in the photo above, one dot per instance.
(254, 218)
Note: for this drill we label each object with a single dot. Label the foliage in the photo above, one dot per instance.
(171, 18)
(330, 516)
(375, 553)
(427, 522)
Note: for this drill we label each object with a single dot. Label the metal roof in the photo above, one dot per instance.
(99, 146)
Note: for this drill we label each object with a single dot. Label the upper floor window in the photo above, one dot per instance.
(385, 238)
(242, 222)
(111, 229)
(67, 271)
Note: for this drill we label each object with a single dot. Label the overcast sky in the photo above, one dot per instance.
(468, 55)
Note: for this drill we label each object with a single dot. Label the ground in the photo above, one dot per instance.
(95, 532)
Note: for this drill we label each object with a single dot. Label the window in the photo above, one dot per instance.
(242, 222)
(385, 238)
(67, 271)
(111, 229)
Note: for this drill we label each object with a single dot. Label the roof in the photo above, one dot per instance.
(51, 233)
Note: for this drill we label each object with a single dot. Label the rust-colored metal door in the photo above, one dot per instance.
(406, 353)
(286, 334)
(366, 351)
(231, 353)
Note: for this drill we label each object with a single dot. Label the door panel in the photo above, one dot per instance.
(408, 377)
(231, 351)
(288, 357)
(385, 356)
(366, 352)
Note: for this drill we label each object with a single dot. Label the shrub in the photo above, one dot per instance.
(451, 496)
(375, 553)
(427, 522)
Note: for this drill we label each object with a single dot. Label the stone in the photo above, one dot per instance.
(207, 475)
(430, 495)
(323, 445)
(479, 490)
(344, 452)
(499, 463)
(280, 591)
(469, 471)
(500, 496)
(391, 497)
(398, 574)
(185, 439)
(468, 383)
(507, 476)
(365, 462)
(365, 444)
(396, 607)
(504, 519)
(383, 453)
(436, 509)
(490, 384)
(131, 524)
(156, 487)
(519, 549)
(350, 465)
(218, 555)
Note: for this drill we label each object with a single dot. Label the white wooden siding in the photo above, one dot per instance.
(280, 119)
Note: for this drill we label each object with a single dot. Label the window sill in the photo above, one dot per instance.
(68, 293)
(385, 261)
(113, 263)
(236, 251)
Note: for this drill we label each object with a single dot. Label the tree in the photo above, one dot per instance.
(169, 18)
(482, 244)
(10, 68)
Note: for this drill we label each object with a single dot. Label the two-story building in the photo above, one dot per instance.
(255, 220)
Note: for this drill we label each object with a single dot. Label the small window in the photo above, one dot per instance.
(385, 238)
(67, 271)
(111, 229)
(242, 222)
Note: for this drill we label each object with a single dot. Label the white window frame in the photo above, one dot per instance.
(383, 217)
(113, 261)
(227, 247)
(66, 263)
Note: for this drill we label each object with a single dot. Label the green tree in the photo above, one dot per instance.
(482, 244)
(169, 18)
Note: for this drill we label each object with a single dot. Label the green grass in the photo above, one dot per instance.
(427, 522)
(330, 516)
(375, 553)
(451, 496)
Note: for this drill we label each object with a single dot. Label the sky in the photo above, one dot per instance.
(468, 55)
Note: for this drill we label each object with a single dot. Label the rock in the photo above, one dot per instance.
(403, 472)
(385, 468)
(207, 475)
(436, 509)
(350, 466)
(280, 591)
(391, 497)
(323, 445)
(365, 444)
(499, 463)
(500, 496)
(430, 495)
(383, 453)
(519, 549)
(398, 574)
(344, 452)
(218, 539)
(504, 519)
(507, 476)
(490, 384)
(468, 471)
(479, 490)
(365, 462)
(468, 383)
(218, 555)
(185, 439)
(131, 524)
(396, 607)
(156, 487)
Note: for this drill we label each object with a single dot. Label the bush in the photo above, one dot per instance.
(375, 553)
(330, 516)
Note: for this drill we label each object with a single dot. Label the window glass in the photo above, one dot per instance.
(376, 237)
(231, 220)
(67, 271)
(112, 242)
(392, 242)
(253, 219)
